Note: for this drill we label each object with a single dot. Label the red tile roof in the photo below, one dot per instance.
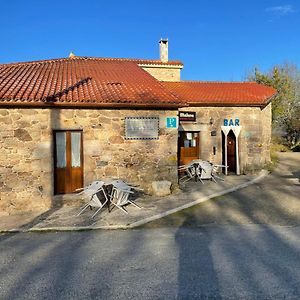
(82, 81)
(199, 93)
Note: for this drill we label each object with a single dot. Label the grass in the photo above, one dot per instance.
(277, 147)
(274, 149)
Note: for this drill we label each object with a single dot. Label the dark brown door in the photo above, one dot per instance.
(188, 145)
(231, 152)
(68, 161)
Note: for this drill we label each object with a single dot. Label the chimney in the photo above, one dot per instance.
(163, 50)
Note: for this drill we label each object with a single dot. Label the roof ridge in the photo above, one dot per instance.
(34, 62)
(53, 60)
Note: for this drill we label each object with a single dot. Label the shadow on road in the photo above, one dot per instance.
(197, 277)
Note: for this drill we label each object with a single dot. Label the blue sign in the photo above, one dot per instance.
(171, 122)
(230, 122)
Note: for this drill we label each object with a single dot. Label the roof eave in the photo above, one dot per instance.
(92, 105)
(268, 100)
(228, 104)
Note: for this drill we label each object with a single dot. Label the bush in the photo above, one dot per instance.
(276, 147)
(296, 148)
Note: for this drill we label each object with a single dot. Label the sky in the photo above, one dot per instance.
(216, 40)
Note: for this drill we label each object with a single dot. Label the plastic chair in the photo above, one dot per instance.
(209, 170)
(216, 171)
(120, 194)
(193, 170)
(91, 192)
(200, 169)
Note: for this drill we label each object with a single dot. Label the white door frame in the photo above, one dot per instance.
(236, 130)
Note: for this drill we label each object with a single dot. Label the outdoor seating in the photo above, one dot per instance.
(206, 169)
(120, 194)
(216, 169)
(192, 171)
(199, 170)
(91, 191)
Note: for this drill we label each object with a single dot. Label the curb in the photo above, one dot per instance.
(136, 224)
(201, 200)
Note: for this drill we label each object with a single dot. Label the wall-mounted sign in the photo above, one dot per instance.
(141, 128)
(187, 116)
(171, 122)
(231, 122)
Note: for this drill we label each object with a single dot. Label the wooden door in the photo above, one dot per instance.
(68, 161)
(188, 145)
(231, 152)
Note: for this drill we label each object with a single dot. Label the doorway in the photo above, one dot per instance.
(188, 145)
(68, 161)
(231, 151)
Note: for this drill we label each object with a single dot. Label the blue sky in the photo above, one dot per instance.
(216, 40)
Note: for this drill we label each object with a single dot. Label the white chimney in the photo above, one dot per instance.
(163, 50)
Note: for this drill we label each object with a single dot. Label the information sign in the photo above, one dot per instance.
(141, 128)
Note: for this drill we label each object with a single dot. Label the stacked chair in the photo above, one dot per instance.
(200, 169)
(119, 195)
(91, 191)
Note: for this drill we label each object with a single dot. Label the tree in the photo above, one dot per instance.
(286, 104)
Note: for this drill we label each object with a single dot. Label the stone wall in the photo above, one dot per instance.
(169, 73)
(26, 161)
(254, 138)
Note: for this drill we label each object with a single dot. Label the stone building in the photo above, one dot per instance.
(230, 123)
(65, 122)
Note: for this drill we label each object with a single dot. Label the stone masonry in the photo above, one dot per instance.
(26, 162)
(254, 138)
(164, 73)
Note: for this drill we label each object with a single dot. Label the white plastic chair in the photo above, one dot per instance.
(91, 192)
(120, 194)
(193, 170)
(216, 170)
(200, 169)
(209, 170)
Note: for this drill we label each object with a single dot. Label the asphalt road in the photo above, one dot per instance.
(241, 249)
(212, 262)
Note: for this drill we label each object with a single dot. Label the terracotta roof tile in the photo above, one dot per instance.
(221, 93)
(83, 81)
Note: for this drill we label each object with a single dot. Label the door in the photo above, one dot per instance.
(188, 145)
(68, 161)
(231, 152)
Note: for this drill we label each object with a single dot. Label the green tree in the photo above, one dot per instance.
(286, 104)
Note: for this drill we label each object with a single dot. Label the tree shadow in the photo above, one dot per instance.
(70, 265)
